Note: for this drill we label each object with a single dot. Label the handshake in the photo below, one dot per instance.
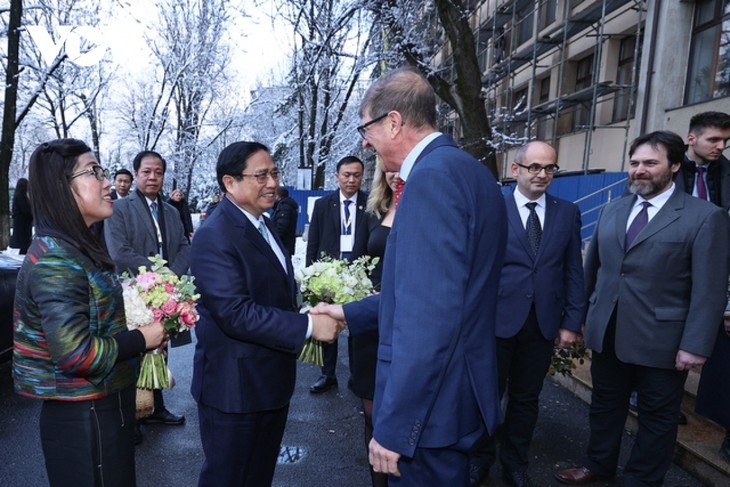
(328, 321)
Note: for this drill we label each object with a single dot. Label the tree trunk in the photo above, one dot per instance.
(7, 138)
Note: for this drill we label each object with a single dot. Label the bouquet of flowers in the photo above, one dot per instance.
(332, 281)
(158, 296)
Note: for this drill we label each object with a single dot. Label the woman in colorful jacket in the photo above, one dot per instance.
(72, 348)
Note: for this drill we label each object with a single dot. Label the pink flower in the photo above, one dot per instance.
(147, 280)
(157, 314)
(169, 287)
(170, 307)
(189, 317)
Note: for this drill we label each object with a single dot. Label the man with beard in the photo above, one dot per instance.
(656, 275)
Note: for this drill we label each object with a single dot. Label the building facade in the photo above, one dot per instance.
(590, 75)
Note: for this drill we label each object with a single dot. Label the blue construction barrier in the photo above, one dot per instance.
(589, 190)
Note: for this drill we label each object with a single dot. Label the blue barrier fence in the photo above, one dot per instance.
(590, 191)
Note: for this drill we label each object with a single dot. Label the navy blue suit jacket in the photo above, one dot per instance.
(552, 279)
(249, 333)
(436, 378)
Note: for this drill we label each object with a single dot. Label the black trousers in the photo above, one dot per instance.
(90, 442)
(522, 362)
(329, 356)
(659, 393)
(240, 449)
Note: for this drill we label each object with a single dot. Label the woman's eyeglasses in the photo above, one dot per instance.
(99, 173)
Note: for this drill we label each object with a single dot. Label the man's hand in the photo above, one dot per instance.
(383, 460)
(325, 328)
(566, 338)
(687, 360)
(333, 310)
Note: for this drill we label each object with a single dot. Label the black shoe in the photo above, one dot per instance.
(725, 449)
(323, 384)
(517, 478)
(477, 473)
(137, 433)
(682, 418)
(163, 416)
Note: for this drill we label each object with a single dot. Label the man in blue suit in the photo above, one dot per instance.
(541, 295)
(249, 333)
(436, 385)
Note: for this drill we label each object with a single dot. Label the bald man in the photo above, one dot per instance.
(540, 303)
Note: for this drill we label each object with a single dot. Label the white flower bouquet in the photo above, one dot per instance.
(332, 281)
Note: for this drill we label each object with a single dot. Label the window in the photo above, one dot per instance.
(542, 124)
(525, 19)
(548, 12)
(483, 36)
(709, 70)
(623, 78)
(583, 80)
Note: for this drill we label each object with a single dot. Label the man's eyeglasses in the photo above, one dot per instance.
(263, 176)
(536, 168)
(99, 173)
(363, 129)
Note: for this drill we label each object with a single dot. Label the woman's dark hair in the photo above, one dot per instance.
(55, 210)
(233, 160)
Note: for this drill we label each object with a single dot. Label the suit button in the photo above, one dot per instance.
(528, 296)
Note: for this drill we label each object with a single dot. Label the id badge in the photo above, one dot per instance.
(346, 242)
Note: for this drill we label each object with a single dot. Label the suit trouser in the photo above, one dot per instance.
(522, 363)
(240, 449)
(437, 467)
(329, 357)
(90, 443)
(659, 393)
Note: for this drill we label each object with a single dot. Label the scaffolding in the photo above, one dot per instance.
(513, 70)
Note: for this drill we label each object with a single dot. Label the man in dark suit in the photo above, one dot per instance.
(122, 183)
(142, 226)
(436, 388)
(707, 139)
(705, 172)
(286, 213)
(656, 275)
(339, 228)
(540, 300)
(249, 332)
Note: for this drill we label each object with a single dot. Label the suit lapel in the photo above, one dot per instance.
(623, 210)
(551, 214)
(251, 233)
(334, 205)
(139, 203)
(515, 222)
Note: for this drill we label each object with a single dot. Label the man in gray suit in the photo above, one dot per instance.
(142, 226)
(656, 275)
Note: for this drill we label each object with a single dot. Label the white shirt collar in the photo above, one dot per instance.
(522, 200)
(658, 200)
(410, 160)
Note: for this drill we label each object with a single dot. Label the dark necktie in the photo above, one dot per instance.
(642, 218)
(701, 186)
(348, 224)
(534, 230)
(398, 191)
